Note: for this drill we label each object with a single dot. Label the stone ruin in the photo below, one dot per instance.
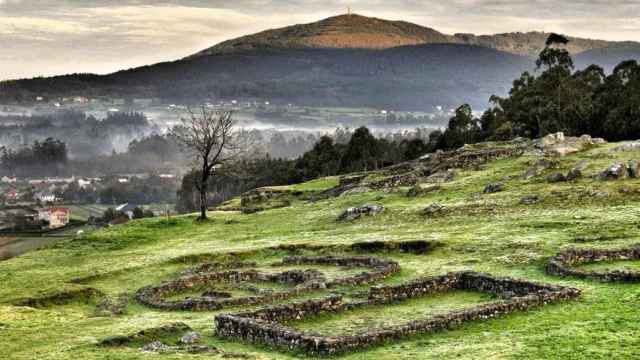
(269, 326)
(564, 264)
(298, 282)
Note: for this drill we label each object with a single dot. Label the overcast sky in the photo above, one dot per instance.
(45, 37)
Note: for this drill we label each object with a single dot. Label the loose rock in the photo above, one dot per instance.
(493, 188)
(434, 209)
(156, 346)
(614, 172)
(556, 177)
(190, 338)
(356, 213)
(531, 199)
(418, 190)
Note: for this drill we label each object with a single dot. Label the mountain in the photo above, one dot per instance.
(361, 32)
(348, 60)
(342, 32)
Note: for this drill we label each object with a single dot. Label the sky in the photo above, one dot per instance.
(48, 37)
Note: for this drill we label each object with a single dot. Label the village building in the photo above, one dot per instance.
(45, 197)
(9, 180)
(57, 217)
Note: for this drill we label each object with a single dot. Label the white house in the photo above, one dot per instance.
(9, 180)
(45, 197)
(82, 183)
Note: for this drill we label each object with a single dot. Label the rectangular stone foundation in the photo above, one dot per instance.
(266, 326)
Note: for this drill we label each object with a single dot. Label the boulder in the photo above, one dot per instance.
(358, 212)
(190, 338)
(442, 176)
(559, 145)
(493, 188)
(539, 166)
(156, 346)
(574, 174)
(614, 172)
(418, 190)
(598, 194)
(531, 199)
(556, 177)
(433, 209)
(112, 307)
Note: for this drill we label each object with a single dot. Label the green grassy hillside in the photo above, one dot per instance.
(495, 233)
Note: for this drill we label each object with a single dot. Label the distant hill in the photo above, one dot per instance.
(348, 60)
(409, 77)
(361, 32)
(341, 32)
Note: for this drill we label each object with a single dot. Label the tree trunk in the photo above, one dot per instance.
(203, 193)
(203, 204)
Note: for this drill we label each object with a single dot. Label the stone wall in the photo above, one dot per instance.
(564, 264)
(301, 281)
(268, 326)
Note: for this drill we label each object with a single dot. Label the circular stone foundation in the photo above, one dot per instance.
(297, 282)
(564, 264)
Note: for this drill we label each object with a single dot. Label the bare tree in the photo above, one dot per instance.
(210, 135)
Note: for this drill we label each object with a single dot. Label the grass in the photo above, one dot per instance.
(626, 265)
(382, 316)
(491, 233)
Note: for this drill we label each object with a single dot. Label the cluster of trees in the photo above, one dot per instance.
(557, 99)
(87, 137)
(362, 152)
(137, 191)
(44, 158)
(138, 213)
(331, 155)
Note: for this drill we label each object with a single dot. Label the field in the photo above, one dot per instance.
(493, 233)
